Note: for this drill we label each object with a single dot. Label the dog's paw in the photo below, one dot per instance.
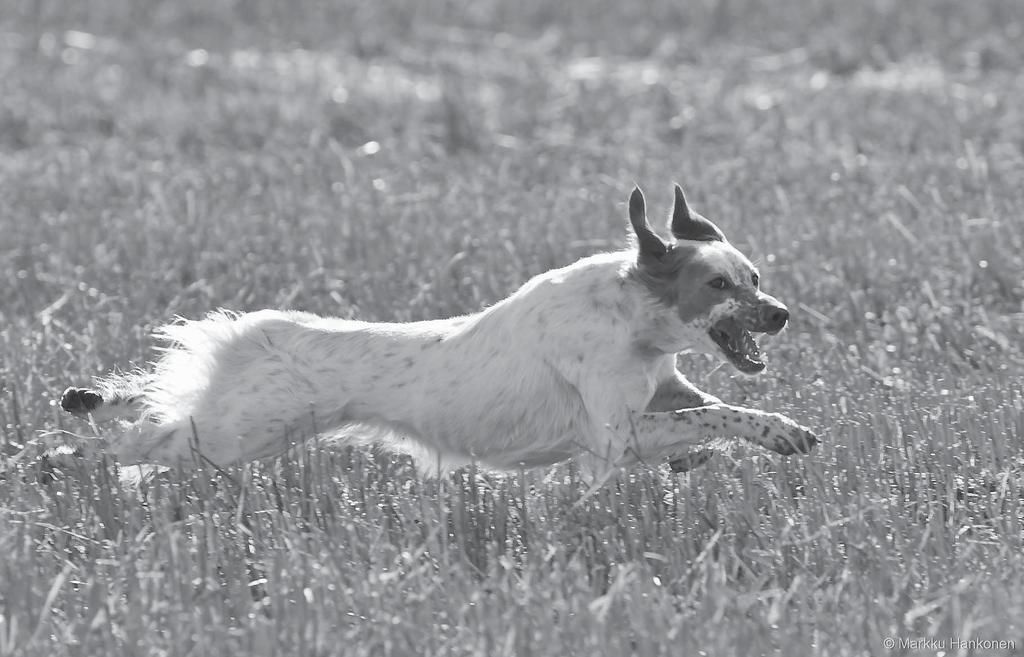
(691, 461)
(58, 460)
(80, 401)
(791, 438)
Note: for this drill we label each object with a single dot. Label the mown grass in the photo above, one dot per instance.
(399, 160)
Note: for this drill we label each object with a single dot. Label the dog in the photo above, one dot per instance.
(579, 363)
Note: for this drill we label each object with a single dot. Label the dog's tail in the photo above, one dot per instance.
(182, 375)
(119, 396)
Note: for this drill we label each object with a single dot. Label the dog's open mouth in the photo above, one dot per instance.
(738, 345)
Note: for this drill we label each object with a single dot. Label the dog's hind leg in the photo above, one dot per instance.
(112, 399)
(127, 444)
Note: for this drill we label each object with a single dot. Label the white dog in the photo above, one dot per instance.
(579, 363)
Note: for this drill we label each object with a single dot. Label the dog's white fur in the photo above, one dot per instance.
(579, 362)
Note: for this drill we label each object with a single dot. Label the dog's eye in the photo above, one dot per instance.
(719, 283)
(755, 279)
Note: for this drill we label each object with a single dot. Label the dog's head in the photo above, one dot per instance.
(710, 290)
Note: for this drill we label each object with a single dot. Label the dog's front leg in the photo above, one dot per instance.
(676, 392)
(652, 436)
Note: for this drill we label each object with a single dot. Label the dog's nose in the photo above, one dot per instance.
(774, 317)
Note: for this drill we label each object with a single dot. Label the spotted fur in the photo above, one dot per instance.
(580, 363)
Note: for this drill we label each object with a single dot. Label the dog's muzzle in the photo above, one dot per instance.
(733, 334)
(772, 318)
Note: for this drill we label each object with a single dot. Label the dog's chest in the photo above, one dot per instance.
(611, 384)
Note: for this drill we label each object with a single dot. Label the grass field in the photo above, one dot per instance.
(399, 160)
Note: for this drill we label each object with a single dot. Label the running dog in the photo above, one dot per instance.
(579, 363)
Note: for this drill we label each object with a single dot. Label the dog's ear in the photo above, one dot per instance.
(650, 244)
(688, 225)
